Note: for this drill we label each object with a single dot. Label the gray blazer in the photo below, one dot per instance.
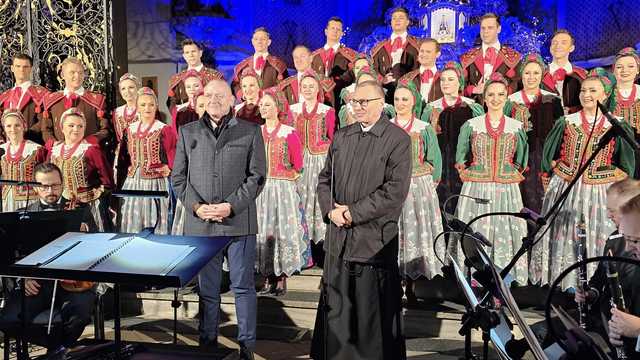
(231, 169)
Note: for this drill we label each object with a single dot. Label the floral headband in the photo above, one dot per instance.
(14, 112)
(495, 77)
(417, 97)
(73, 111)
(457, 68)
(606, 78)
(147, 91)
(130, 76)
(532, 58)
(628, 51)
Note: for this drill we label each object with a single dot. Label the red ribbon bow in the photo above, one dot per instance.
(69, 100)
(328, 58)
(559, 75)
(397, 44)
(426, 76)
(260, 62)
(490, 56)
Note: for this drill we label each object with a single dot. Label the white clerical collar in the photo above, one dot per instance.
(334, 47)
(197, 68)
(79, 91)
(25, 85)
(403, 36)
(433, 69)
(264, 55)
(495, 45)
(367, 128)
(567, 67)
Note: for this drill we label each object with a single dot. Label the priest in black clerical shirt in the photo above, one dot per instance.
(368, 168)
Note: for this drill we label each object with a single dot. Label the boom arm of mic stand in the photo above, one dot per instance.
(529, 242)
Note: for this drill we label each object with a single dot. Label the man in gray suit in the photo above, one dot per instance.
(218, 172)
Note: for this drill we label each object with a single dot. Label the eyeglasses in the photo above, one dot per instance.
(49, 187)
(363, 103)
(632, 240)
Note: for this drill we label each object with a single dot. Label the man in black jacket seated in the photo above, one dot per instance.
(75, 305)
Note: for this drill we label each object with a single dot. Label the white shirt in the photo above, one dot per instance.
(25, 87)
(79, 91)
(488, 68)
(425, 88)
(255, 58)
(197, 68)
(396, 56)
(568, 68)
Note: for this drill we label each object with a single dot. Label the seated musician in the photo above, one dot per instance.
(625, 326)
(74, 300)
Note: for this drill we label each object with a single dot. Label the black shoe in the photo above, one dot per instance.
(246, 354)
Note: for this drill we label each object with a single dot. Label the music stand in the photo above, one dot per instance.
(489, 276)
(23, 232)
(66, 257)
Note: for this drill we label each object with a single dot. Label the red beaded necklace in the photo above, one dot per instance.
(17, 156)
(66, 154)
(494, 132)
(628, 101)
(143, 134)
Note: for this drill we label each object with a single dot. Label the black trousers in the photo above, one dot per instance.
(364, 313)
(75, 310)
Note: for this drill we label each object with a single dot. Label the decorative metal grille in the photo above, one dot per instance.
(14, 36)
(53, 30)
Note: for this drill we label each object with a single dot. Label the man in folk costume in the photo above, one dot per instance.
(563, 78)
(334, 60)
(369, 162)
(480, 62)
(397, 55)
(91, 104)
(291, 85)
(25, 96)
(427, 77)
(270, 69)
(192, 54)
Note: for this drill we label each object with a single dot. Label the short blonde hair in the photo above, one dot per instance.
(71, 60)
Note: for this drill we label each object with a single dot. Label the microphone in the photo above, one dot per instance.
(532, 217)
(458, 225)
(476, 199)
(617, 127)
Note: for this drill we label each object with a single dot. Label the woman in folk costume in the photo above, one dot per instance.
(282, 241)
(571, 141)
(491, 156)
(420, 221)
(346, 114)
(17, 160)
(185, 113)
(625, 98)
(148, 149)
(250, 94)
(446, 115)
(86, 176)
(124, 115)
(315, 123)
(538, 109)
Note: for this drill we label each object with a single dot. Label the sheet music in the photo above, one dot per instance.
(93, 244)
(142, 256)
